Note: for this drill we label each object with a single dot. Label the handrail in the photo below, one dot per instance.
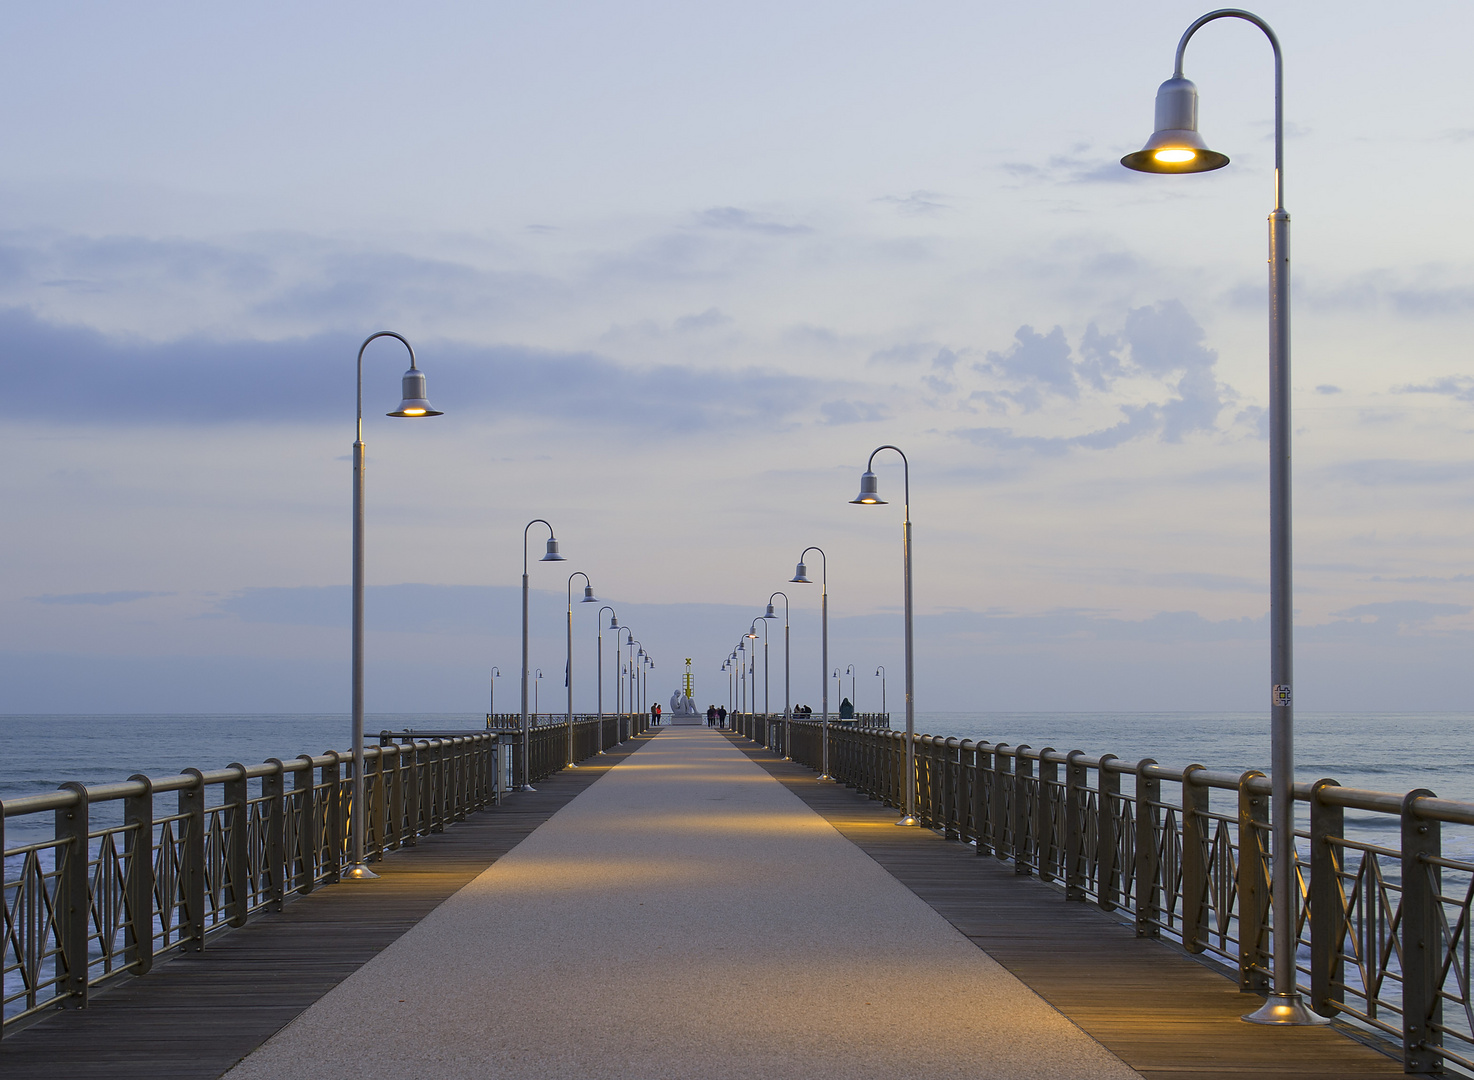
(1384, 919)
(138, 869)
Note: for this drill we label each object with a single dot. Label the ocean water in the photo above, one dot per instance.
(1393, 752)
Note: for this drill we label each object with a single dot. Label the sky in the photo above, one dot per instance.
(672, 272)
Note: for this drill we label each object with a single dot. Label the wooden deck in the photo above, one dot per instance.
(1165, 1014)
(195, 1016)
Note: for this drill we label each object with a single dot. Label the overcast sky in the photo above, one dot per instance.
(672, 272)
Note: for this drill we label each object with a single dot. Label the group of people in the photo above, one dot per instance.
(716, 716)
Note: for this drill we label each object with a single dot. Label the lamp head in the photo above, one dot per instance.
(801, 575)
(629, 638)
(1175, 145)
(588, 595)
(771, 614)
(552, 554)
(742, 646)
(413, 393)
(869, 490)
(613, 621)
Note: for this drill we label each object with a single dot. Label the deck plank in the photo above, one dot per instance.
(1166, 1014)
(196, 1015)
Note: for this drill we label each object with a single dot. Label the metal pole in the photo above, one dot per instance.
(568, 675)
(1283, 1005)
(910, 818)
(359, 868)
(767, 708)
(526, 739)
(824, 660)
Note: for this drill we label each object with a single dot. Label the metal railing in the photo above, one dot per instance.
(132, 872)
(1383, 927)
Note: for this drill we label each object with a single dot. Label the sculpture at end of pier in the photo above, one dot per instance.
(681, 705)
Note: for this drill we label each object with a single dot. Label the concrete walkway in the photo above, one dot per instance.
(686, 916)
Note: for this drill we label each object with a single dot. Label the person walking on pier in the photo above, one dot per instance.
(655, 714)
(711, 716)
(722, 715)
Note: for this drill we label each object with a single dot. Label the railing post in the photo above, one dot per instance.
(309, 831)
(394, 800)
(981, 770)
(998, 811)
(1327, 915)
(70, 907)
(1148, 855)
(192, 873)
(1422, 939)
(1108, 867)
(1044, 813)
(1075, 775)
(273, 790)
(1194, 861)
(1253, 887)
(334, 817)
(138, 815)
(237, 844)
(1023, 771)
(373, 811)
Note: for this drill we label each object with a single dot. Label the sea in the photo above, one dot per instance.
(1393, 752)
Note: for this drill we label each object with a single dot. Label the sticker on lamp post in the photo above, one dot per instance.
(1281, 696)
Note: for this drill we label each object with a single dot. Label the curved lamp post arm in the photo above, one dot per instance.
(1279, 84)
(552, 540)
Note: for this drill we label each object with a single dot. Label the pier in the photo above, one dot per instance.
(686, 903)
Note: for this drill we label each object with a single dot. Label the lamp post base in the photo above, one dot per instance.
(358, 872)
(1285, 1010)
(571, 765)
(909, 821)
(824, 778)
(527, 787)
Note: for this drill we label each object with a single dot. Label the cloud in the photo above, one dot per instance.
(73, 374)
(1458, 387)
(852, 412)
(1403, 612)
(1162, 343)
(1327, 388)
(1042, 363)
(1081, 164)
(918, 203)
(103, 599)
(1383, 472)
(731, 217)
(709, 319)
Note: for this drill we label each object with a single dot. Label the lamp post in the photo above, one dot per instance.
(801, 576)
(870, 496)
(787, 698)
(880, 671)
(599, 628)
(1176, 147)
(752, 634)
(630, 644)
(742, 660)
(854, 697)
(838, 686)
(619, 668)
(496, 673)
(588, 598)
(536, 682)
(412, 403)
(550, 555)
